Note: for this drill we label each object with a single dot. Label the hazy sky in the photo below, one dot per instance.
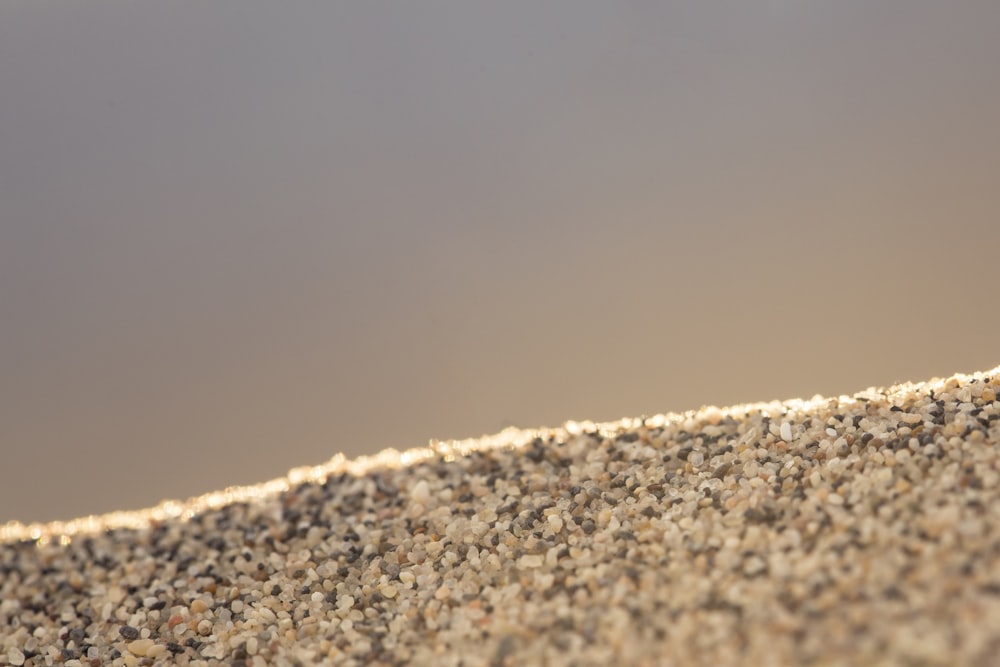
(237, 237)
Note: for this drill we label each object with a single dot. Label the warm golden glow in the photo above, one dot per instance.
(510, 438)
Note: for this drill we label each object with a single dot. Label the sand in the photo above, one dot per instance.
(853, 530)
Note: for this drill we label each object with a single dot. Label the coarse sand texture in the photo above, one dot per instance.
(860, 530)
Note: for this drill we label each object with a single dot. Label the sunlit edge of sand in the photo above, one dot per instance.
(510, 438)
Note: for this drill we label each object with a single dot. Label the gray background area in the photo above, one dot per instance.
(237, 237)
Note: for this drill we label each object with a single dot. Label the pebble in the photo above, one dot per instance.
(712, 537)
(421, 492)
(140, 646)
(531, 561)
(786, 431)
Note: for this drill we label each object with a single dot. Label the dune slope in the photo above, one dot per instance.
(850, 530)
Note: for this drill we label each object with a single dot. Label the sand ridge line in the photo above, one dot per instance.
(64, 531)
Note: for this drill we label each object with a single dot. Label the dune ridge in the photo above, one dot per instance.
(846, 530)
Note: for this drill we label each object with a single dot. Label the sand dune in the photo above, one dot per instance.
(854, 530)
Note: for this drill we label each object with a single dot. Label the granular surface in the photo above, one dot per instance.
(850, 530)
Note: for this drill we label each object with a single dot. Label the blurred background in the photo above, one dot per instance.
(238, 237)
